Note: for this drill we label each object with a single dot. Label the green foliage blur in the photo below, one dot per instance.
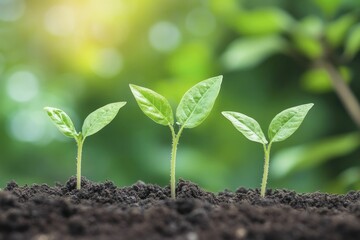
(274, 54)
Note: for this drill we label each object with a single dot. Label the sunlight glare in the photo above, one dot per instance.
(60, 20)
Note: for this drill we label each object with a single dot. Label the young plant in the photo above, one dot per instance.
(281, 127)
(93, 123)
(193, 109)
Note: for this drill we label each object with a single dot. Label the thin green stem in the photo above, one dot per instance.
(80, 142)
(175, 141)
(266, 169)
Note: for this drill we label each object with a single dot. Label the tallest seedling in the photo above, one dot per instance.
(281, 127)
(194, 107)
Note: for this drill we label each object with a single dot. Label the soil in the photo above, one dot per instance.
(145, 211)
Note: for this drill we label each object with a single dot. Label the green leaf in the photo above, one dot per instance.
(311, 26)
(262, 21)
(329, 7)
(62, 121)
(306, 36)
(101, 117)
(197, 102)
(337, 30)
(248, 126)
(155, 106)
(251, 51)
(287, 122)
(317, 80)
(352, 45)
(311, 155)
(309, 46)
(224, 9)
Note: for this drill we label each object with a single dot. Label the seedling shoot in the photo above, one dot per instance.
(93, 123)
(193, 109)
(281, 127)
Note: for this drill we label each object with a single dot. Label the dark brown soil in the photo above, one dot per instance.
(144, 211)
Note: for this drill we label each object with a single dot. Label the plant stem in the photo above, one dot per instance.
(347, 97)
(175, 141)
(80, 142)
(266, 169)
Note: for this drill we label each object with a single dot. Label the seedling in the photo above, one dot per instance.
(193, 109)
(281, 127)
(93, 123)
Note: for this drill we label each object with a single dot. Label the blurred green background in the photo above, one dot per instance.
(274, 54)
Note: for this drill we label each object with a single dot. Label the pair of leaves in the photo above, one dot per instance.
(93, 123)
(281, 127)
(194, 107)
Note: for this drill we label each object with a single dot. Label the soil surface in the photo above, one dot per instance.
(145, 211)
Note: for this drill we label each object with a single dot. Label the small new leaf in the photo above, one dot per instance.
(155, 106)
(197, 102)
(62, 121)
(248, 126)
(101, 117)
(287, 122)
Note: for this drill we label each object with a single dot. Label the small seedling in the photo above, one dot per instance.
(281, 127)
(93, 123)
(193, 109)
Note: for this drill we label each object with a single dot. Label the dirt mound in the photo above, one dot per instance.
(145, 211)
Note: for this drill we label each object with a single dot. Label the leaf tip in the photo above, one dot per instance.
(224, 113)
(118, 105)
(48, 110)
(287, 122)
(132, 87)
(121, 104)
(219, 78)
(308, 106)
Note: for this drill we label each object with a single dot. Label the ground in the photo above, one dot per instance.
(145, 211)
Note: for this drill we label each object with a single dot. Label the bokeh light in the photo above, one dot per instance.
(28, 126)
(164, 36)
(22, 86)
(11, 10)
